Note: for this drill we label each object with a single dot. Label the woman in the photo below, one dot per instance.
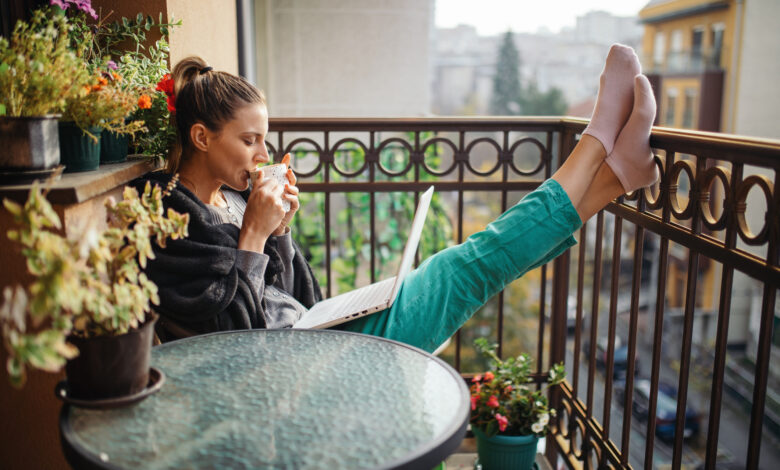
(239, 267)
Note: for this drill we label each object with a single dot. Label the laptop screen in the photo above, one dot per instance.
(414, 239)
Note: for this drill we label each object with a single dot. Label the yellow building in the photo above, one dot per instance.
(714, 64)
(689, 47)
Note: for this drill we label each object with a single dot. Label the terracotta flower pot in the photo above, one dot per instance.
(111, 366)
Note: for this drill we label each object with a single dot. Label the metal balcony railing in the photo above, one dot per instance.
(654, 281)
(695, 60)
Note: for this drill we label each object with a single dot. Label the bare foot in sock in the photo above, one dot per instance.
(632, 160)
(615, 99)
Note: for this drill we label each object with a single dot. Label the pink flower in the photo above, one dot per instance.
(489, 376)
(492, 401)
(474, 401)
(477, 378)
(508, 389)
(502, 422)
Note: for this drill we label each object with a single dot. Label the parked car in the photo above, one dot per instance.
(571, 315)
(665, 411)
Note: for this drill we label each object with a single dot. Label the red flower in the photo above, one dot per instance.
(492, 401)
(165, 85)
(508, 389)
(502, 422)
(489, 376)
(171, 101)
(474, 401)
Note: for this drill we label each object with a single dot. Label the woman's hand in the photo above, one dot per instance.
(290, 195)
(264, 213)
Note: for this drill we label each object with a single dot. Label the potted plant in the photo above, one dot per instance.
(39, 73)
(89, 296)
(101, 106)
(155, 105)
(507, 415)
(135, 70)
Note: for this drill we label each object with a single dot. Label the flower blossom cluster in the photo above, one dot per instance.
(83, 5)
(166, 85)
(503, 399)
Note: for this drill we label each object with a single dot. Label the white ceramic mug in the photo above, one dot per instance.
(278, 172)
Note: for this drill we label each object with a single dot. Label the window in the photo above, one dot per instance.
(675, 50)
(717, 43)
(671, 102)
(697, 41)
(688, 110)
(659, 49)
(677, 40)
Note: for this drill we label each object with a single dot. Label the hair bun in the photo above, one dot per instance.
(205, 69)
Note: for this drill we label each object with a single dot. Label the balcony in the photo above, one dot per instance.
(648, 311)
(692, 61)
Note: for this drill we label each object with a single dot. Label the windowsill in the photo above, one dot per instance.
(73, 188)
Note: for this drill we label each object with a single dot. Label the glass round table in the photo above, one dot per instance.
(280, 399)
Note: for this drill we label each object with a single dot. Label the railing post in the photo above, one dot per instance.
(560, 290)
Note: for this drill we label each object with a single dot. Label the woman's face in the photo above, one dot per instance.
(239, 147)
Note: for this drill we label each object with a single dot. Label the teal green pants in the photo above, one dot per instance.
(447, 288)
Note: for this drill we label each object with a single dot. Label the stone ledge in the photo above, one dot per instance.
(73, 188)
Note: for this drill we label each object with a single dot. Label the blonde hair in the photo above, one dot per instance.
(205, 96)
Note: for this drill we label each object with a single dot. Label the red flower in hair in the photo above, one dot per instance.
(165, 85)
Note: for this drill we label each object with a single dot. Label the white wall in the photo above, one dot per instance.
(758, 100)
(349, 58)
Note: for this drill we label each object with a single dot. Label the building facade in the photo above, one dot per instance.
(344, 59)
(713, 64)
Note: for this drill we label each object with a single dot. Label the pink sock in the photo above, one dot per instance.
(632, 160)
(616, 90)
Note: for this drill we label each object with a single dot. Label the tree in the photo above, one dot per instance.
(510, 97)
(535, 103)
(506, 82)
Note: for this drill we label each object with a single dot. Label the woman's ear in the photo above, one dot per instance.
(199, 136)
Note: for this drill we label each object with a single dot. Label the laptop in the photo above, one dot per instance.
(375, 297)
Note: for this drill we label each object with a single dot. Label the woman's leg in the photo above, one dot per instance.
(448, 287)
(580, 169)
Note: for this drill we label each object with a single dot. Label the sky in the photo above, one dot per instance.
(497, 16)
